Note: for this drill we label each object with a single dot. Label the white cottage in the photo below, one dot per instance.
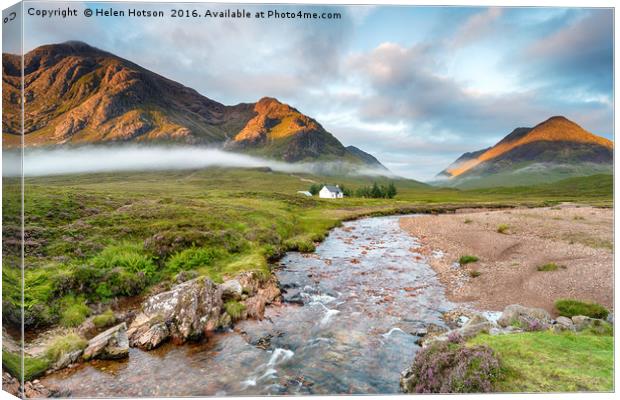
(331, 192)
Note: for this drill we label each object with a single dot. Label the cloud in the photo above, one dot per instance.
(414, 95)
(476, 27)
(95, 159)
(579, 54)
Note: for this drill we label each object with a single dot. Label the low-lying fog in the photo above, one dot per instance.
(46, 162)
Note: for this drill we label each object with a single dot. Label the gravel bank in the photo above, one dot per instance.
(578, 239)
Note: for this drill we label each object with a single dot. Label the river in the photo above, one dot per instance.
(345, 327)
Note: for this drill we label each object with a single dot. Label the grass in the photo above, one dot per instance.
(33, 366)
(474, 273)
(466, 259)
(98, 237)
(503, 228)
(549, 267)
(74, 311)
(63, 345)
(234, 309)
(570, 308)
(104, 320)
(552, 362)
(468, 221)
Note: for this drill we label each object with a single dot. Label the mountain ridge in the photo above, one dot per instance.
(78, 94)
(556, 143)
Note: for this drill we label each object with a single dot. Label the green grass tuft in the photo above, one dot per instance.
(474, 273)
(234, 309)
(193, 258)
(466, 259)
(550, 267)
(74, 311)
(104, 320)
(33, 366)
(569, 308)
(303, 244)
(503, 228)
(63, 345)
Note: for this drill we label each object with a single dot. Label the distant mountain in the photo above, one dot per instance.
(369, 159)
(552, 150)
(77, 94)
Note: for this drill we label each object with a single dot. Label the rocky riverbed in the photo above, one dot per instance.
(351, 316)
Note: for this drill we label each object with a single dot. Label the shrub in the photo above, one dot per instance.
(74, 311)
(63, 345)
(129, 257)
(467, 259)
(193, 258)
(550, 267)
(502, 228)
(234, 309)
(105, 319)
(474, 274)
(450, 368)
(455, 337)
(569, 308)
(468, 221)
(167, 243)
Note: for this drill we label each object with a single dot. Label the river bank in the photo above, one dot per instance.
(572, 244)
(347, 324)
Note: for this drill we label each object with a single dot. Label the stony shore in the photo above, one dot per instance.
(578, 240)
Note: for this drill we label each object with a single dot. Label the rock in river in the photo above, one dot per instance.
(111, 344)
(187, 311)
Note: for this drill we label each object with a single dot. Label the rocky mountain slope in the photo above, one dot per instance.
(77, 94)
(554, 149)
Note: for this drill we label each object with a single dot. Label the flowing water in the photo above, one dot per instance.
(345, 327)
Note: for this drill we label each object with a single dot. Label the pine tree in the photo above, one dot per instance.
(391, 190)
(375, 192)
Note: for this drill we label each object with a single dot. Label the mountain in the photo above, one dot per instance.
(77, 94)
(279, 130)
(552, 150)
(369, 159)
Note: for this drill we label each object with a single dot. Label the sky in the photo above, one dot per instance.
(414, 86)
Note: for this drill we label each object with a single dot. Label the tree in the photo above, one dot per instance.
(346, 191)
(391, 190)
(315, 189)
(363, 191)
(375, 192)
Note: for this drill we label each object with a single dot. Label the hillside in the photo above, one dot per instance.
(552, 150)
(77, 94)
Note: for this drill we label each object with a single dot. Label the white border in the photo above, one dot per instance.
(506, 3)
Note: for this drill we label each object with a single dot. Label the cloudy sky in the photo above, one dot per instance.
(415, 86)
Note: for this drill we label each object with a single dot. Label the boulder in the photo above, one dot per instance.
(67, 359)
(597, 325)
(476, 324)
(263, 293)
(10, 384)
(530, 319)
(231, 290)
(565, 322)
(249, 281)
(187, 311)
(111, 344)
(471, 330)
